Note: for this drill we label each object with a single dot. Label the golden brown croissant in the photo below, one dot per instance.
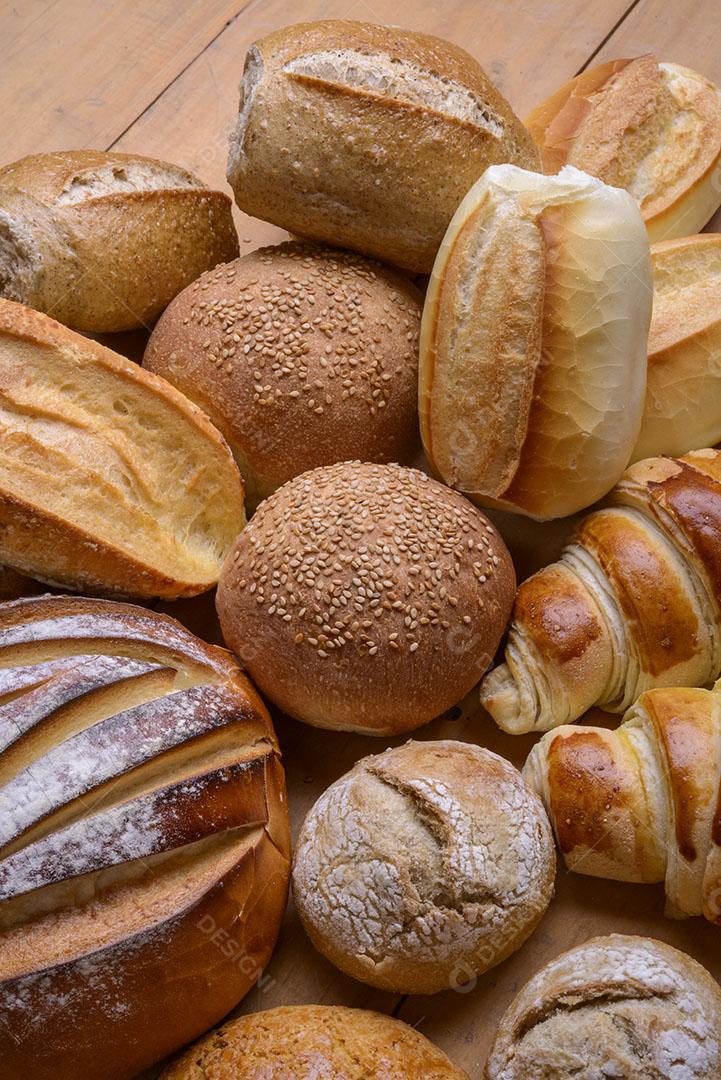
(633, 602)
(642, 803)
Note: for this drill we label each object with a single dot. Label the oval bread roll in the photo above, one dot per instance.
(683, 395)
(314, 1042)
(617, 1006)
(110, 480)
(533, 341)
(652, 128)
(367, 136)
(144, 842)
(104, 241)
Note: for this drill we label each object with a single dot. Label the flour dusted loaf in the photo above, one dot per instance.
(626, 1007)
(104, 241)
(652, 128)
(301, 355)
(424, 866)
(143, 838)
(307, 1042)
(111, 481)
(366, 597)
(367, 136)
(533, 341)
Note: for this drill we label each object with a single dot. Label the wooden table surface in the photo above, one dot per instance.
(161, 79)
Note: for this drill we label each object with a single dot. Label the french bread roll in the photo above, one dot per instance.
(367, 136)
(144, 849)
(104, 241)
(366, 597)
(110, 480)
(652, 128)
(616, 1006)
(301, 355)
(310, 1042)
(533, 341)
(424, 866)
(683, 395)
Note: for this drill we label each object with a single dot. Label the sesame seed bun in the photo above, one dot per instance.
(366, 597)
(302, 355)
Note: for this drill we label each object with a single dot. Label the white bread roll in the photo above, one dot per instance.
(144, 847)
(424, 866)
(104, 241)
(367, 136)
(533, 341)
(683, 394)
(652, 128)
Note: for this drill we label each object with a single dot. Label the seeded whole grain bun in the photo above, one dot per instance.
(366, 597)
(302, 355)
(424, 866)
(310, 1042)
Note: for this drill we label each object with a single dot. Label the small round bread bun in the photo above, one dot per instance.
(424, 866)
(310, 1042)
(626, 1007)
(366, 597)
(302, 355)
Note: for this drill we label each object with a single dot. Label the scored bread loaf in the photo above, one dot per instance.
(633, 603)
(652, 128)
(104, 241)
(641, 803)
(533, 341)
(367, 136)
(616, 1007)
(314, 1042)
(683, 388)
(110, 479)
(144, 850)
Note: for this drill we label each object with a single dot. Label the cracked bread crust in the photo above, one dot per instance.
(424, 866)
(307, 1042)
(614, 1007)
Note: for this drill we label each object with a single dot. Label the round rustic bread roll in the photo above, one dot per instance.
(310, 1042)
(144, 848)
(424, 866)
(104, 241)
(367, 136)
(366, 597)
(625, 1007)
(301, 355)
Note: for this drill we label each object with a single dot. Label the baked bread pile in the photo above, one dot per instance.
(563, 358)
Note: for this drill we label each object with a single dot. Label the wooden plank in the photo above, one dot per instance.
(77, 74)
(527, 47)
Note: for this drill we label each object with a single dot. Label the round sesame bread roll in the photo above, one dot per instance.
(652, 128)
(366, 597)
(367, 136)
(424, 866)
(307, 1042)
(301, 355)
(616, 1006)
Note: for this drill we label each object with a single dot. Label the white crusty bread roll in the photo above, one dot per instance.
(314, 1042)
(144, 847)
(301, 355)
(366, 597)
(652, 128)
(104, 241)
(683, 394)
(367, 136)
(533, 341)
(424, 866)
(110, 479)
(617, 1006)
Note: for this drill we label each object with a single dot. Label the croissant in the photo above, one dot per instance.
(632, 604)
(642, 803)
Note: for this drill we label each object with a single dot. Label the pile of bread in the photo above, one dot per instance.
(553, 359)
